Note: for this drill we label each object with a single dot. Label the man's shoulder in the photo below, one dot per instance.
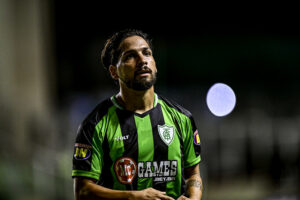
(99, 111)
(173, 104)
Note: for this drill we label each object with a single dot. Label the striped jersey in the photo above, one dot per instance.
(124, 150)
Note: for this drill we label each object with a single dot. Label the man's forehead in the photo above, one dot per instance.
(133, 42)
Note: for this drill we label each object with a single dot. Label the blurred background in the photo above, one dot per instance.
(51, 78)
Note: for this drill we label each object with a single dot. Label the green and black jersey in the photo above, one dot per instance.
(124, 150)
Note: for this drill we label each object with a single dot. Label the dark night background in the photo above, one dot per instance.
(52, 77)
(189, 49)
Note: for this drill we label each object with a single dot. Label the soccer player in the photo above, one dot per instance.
(136, 144)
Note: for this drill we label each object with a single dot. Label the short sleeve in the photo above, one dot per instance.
(87, 156)
(192, 145)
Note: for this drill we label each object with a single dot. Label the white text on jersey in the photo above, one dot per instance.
(118, 138)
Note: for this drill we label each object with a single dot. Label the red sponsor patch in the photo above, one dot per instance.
(125, 169)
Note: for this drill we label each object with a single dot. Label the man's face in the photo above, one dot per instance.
(136, 66)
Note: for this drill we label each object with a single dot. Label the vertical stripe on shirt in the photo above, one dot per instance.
(129, 131)
(160, 148)
(146, 151)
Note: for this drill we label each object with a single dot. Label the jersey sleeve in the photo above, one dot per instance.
(87, 157)
(192, 146)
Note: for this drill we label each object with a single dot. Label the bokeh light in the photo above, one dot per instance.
(220, 99)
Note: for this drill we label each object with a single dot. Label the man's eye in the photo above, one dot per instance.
(129, 56)
(147, 53)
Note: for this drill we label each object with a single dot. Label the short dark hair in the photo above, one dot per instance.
(111, 50)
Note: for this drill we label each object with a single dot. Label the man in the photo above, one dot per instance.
(136, 144)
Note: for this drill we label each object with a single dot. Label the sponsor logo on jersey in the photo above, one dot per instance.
(163, 171)
(166, 133)
(82, 151)
(118, 138)
(196, 138)
(125, 170)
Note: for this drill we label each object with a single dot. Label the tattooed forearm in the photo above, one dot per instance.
(194, 183)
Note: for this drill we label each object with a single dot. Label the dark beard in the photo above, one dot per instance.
(141, 84)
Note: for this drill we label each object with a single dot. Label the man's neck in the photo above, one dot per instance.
(136, 101)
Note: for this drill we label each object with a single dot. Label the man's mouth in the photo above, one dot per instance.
(143, 72)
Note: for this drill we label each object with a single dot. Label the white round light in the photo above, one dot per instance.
(220, 99)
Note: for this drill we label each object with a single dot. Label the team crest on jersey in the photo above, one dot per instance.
(166, 133)
(82, 151)
(125, 170)
(196, 138)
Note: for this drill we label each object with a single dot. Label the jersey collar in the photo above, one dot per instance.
(115, 102)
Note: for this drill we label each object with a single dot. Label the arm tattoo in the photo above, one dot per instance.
(194, 183)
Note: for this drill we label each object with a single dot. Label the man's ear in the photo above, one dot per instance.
(113, 72)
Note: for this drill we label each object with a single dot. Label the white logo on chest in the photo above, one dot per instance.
(166, 133)
(118, 138)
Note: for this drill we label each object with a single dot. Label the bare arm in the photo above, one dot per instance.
(87, 189)
(194, 183)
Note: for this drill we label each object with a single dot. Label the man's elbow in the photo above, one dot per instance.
(82, 189)
(82, 193)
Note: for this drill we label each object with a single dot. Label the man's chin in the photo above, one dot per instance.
(142, 85)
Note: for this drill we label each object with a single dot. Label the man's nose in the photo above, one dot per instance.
(142, 60)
